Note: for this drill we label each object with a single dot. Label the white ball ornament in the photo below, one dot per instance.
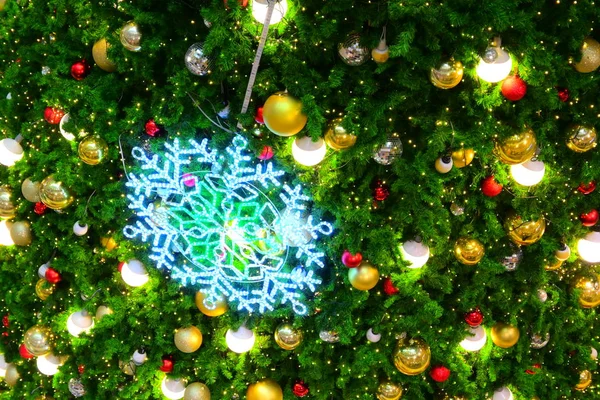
(139, 357)
(307, 152)
(79, 322)
(240, 341)
(589, 248)
(502, 393)
(444, 164)
(3, 366)
(79, 229)
(134, 273)
(542, 295)
(42, 270)
(475, 340)
(593, 354)
(173, 389)
(372, 336)
(102, 311)
(49, 364)
(415, 252)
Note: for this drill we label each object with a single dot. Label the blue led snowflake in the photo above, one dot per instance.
(213, 223)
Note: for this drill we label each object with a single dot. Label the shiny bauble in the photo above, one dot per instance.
(590, 56)
(539, 341)
(109, 243)
(490, 186)
(563, 252)
(80, 230)
(100, 55)
(7, 207)
(308, 152)
(351, 260)
(337, 137)
(283, 114)
(38, 340)
(352, 52)
(196, 60)
(372, 336)
(139, 357)
(390, 151)
(211, 309)
(518, 148)
(54, 194)
(20, 232)
(524, 232)
(412, 356)
(80, 70)
(514, 88)
(363, 277)
(505, 335)
(462, 157)
(474, 317)
(131, 36)
(188, 340)
(588, 283)
(581, 138)
(30, 190)
(389, 391)
(93, 150)
(287, 337)
(43, 289)
(439, 373)
(542, 295)
(128, 368)
(585, 380)
(266, 389)
(512, 260)
(196, 391)
(447, 75)
(468, 251)
(443, 165)
(53, 115)
(329, 336)
(502, 393)
(12, 376)
(102, 311)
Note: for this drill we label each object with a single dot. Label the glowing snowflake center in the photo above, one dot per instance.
(213, 227)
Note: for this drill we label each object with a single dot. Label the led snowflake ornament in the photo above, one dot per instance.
(211, 225)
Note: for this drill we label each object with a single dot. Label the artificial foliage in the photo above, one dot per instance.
(40, 41)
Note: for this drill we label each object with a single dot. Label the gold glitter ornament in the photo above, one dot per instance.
(590, 56)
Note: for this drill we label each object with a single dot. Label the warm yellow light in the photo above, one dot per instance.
(529, 173)
(134, 273)
(475, 340)
(5, 238)
(240, 341)
(589, 248)
(49, 364)
(260, 7)
(173, 389)
(415, 252)
(496, 68)
(307, 152)
(79, 322)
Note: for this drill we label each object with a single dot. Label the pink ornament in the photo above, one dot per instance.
(189, 180)
(266, 153)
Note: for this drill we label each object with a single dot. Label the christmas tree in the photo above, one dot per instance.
(284, 199)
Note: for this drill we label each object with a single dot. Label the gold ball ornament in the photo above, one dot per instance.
(462, 157)
(55, 194)
(363, 277)
(44, 289)
(585, 380)
(524, 232)
(20, 232)
(447, 75)
(93, 150)
(337, 137)
(287, 337)
(266, 389)
(100, 54)
(468, 251)
(412, 356)
(518, 148)
(196, 391)
(109, 243)
(213, 309)
(505, 335)
(128, 368)
(581, 138)
(590, 56)
(38, 340)
(2, 3)
(131, 36)
(7, 207)
(31, 190)
(283, 114)
(389, 391)
(11, 377)
(189, 339)
(588, 283)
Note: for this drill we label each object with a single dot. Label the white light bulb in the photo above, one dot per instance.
(307, 152)
(240, 341)
(529, 173)
(496, 70)
(79, 322)
(5, 238)
(49, 364)
(134, 273)
(173, 389)
(589, 248)
(260, 7)
(502, 393)
(415, 252)
(10, 151)
(475, 340)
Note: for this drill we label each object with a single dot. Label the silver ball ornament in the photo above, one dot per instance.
(352, 52)
(542, 295)
(457, 210)
(196, 60)
(512, 260)
(76, 388)
(329, 336)
(390, 151)
(538, 341)
(490, 55)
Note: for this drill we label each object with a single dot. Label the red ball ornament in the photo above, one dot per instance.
(533, 372)
(587, 188)
(300, 388)
(52, 275)
(351, 260)
(6, 321)
(563, 94)
(389, 288)
(490, 187)
(590, 218)
(80, 70)
(152, 128)
(120, 266)
(381, 190)
(40, 208)
(81, 369)
(439, 373)
(24, 352)
(474, 317)
(514, 88)
(53, 115)
(266, 153)
(259, 116)
(168, 362)
(243, 3)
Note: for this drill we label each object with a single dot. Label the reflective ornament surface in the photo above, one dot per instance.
(100, 55)
(363, 277)
(390, 151)
(524, 232)
(283, 114)
(539, 341)
(588, 283)
(581, 138)
(457, 210)
(287, 337)
(131, 36)
(11, 377)
(468, 251)
(188, 339)
(266, 389)
(210, 309)
(20, 233)
(505, 335)
(352, 52)
(517, 149)
(7, 207)
(54, 194)
(412, 356)
(590, 56)
(389, 390)
(31, 190)
(462, 157)
(329, 336)
(513, 259)
(128, 367)
(38, 340)
(43, 289)
(337, 137)
(447, 75)
(196, 60)
(585, 380)
(93, 150)
(196, 391)
(76, 387)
